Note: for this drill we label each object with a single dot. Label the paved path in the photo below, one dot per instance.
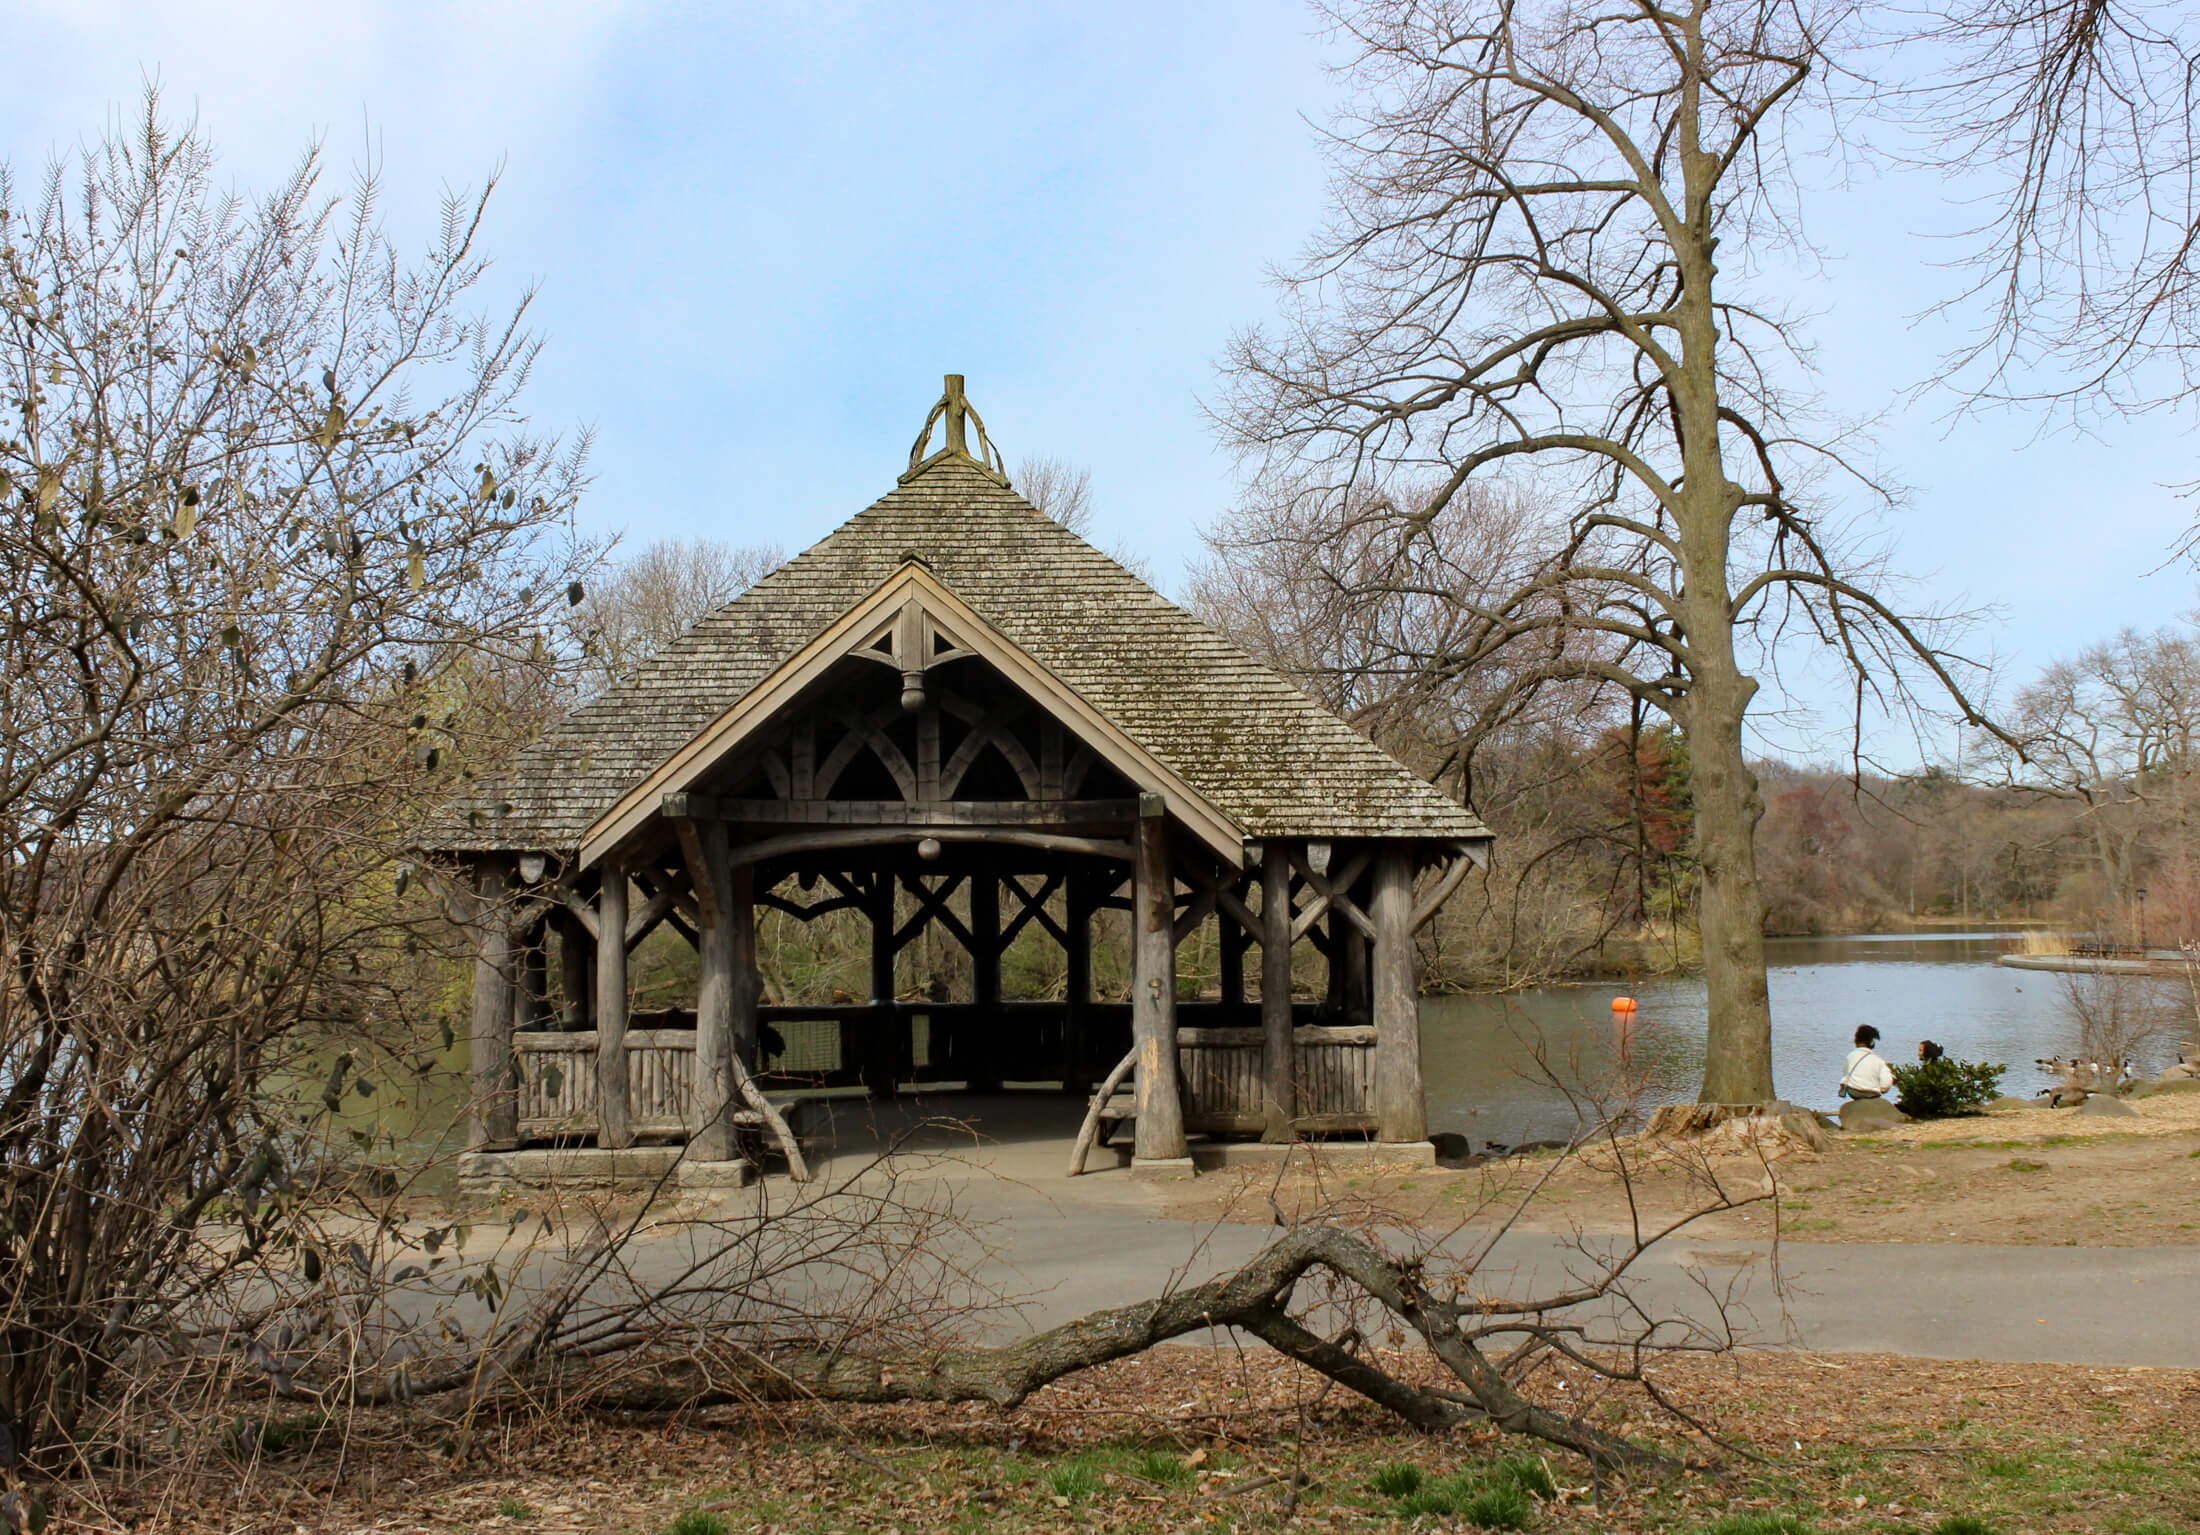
(1073, 1246)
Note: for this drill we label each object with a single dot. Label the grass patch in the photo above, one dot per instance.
(2019, 1165)
(1075, 1480)
(1498, 1497)
(1528, 1473)
(509, 1507)
(1758, 1524)
(697, 1522)
(1162, 1467)
(1963, 1524)
(1397, 1480)
(1498, 1508)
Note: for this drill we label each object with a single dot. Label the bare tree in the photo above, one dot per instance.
(1523, 274)
(2115, 732)
(2118, 1025)
(281, 563)
(1059, 489)
(648, 601)
(1373, 628)
(2072, 122)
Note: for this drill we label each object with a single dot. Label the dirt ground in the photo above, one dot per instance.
(1210, 1439)
(2024, 1177)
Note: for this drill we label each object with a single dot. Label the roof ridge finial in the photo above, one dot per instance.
(954, 408)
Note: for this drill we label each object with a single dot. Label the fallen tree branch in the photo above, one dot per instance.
(1255, 1298)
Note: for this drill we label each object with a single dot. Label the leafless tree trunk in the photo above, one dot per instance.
(1522, 274)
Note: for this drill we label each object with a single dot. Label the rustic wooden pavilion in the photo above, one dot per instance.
(953, 695)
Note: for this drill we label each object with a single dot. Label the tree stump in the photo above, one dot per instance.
(1739, 1122)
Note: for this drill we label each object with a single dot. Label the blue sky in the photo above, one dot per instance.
(762, 232)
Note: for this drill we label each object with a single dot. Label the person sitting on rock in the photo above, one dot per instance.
(1928, 1051)
(1866, 1075)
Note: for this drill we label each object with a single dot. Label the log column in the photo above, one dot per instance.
(492, 1114)
(882, 1046)
(614, 1113)
(1353, 957)
(1160, 1136)
(1279, 1068)
(979, 1047)
(1077, 981)
(531, 999)
(748, 980)
(1235, 941)
(574, 993)
(710, 1112)
(1401, 1113)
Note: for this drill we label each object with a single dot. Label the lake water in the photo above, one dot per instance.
(1479, 1052)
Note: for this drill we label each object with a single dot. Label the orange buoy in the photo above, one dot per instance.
(1623, 1004)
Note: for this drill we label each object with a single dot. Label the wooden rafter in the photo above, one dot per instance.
(699, 881)
(1201, 907)
(844, 812)
(1222, 836)
(654, 910)
(583, 912)
(1329, 895)
(867, 730)
(1455, 869)
(1226, 900)
(815, 909)
(1033, 908)
(992, 729)
(931, 904)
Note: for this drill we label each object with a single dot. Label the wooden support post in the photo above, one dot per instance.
(1153, 990)
(882, 1051)
(980, 1043)
(531, 998)
(1235, 941)
(1077, 981)
(574, 995)
(1358, 1009)
(1278, 1049)
(748, 981)
(1401, 1114)
(1333, 963)
(614, 1115)
(710, 1116)
(492, 1118)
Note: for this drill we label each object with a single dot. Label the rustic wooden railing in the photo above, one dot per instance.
(1220, 1070)
(557, 1092)
(1334, 1074)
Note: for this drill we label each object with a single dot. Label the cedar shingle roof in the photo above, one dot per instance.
(1259, 749)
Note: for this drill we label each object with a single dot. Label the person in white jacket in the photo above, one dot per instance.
(1866, 1075)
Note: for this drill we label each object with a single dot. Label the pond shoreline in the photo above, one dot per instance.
(1494, 1062)
(2082, 964)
